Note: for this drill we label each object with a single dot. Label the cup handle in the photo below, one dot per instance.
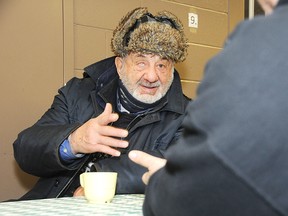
(82, 180)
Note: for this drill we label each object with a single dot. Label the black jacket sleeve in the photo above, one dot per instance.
(36, 149)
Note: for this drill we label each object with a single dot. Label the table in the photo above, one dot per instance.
(130, 204)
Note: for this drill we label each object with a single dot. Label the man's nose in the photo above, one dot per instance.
(151, 75)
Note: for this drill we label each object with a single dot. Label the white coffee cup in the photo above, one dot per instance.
(99, 187)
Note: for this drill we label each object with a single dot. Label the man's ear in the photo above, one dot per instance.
(119, 64)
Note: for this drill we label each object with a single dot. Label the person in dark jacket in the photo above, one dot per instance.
(232, 159)
(133, 100)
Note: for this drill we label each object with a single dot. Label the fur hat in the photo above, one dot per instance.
(140, 31)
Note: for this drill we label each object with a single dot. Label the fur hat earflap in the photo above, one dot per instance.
(140, 31)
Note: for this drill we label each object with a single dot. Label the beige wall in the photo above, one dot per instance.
(31, 67)
(45, 43)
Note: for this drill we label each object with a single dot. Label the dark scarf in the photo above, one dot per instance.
(131, 104)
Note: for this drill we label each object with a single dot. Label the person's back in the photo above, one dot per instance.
(232, 157)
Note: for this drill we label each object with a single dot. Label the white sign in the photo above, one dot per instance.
(193, 20)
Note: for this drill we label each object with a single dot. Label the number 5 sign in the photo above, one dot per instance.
(193, 20)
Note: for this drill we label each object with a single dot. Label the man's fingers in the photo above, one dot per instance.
(113, 132)
(108, 150)
(112, 142)
(108, 108)
(107, 116)
(141, 158)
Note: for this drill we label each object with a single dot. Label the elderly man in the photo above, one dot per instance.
(233, 155)
(131, 101)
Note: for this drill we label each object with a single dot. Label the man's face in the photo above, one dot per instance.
(147, 77)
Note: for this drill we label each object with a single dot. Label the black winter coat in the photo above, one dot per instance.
(37, 148)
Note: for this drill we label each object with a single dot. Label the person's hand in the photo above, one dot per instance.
(79, 192)
(150, 162)
(96, 135)
(268, 5)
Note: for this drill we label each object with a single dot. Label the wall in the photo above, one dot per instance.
(31, 67)
(45, 43)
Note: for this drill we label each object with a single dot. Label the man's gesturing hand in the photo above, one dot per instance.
(96, 135)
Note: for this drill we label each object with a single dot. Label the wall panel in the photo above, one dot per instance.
(89, 45)
(212, 26)
(102, 14)
(189, 88)
(192, 68)
(31, 56)
(215, 5)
